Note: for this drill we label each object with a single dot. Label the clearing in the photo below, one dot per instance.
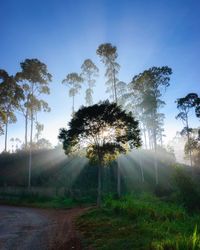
(23, 228)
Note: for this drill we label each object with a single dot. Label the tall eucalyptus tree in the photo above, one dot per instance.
(89, 74)
(35, 80)
(73, 80)
(146, 90)
(185, 105)
(10, 96)
(108, 54)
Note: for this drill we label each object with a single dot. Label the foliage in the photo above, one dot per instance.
(89, 73)
(34, 79)
(10, 96)
(108, 54)
(103, 129)
(73, 80)
(193, 146)
(41, 201)
(144, 98)
(39, 128)
(197, 107)
(184, 105)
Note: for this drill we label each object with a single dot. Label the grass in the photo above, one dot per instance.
(35, 200)
(140, 223)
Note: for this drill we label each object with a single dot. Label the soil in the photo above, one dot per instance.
(24, 228)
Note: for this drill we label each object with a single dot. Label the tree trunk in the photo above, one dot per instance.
(118, 179)
(30, 152)
(188, 138)
(26, 128)
(145, 137)
(118, 164)
(99, 186)
(161, 140)
(115, 88)
(73, 105)
(156, 168)
(6, 136)
(149, 137)
(155, 155)
(141, 167)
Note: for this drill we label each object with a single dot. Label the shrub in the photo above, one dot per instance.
(161, 191)
(187, 190)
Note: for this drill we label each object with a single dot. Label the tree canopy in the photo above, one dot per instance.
(103, 130)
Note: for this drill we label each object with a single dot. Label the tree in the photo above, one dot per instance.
(121, 93)
(43, 144)
(197, 106)
(35, 78)
(89, 73)
(145, 92)
(10, 96)
(73, 80)
(184, 105)
(39, 128)
(193, 146)
(15, 144)
(2, 121)
(108, 55)
(103, 131)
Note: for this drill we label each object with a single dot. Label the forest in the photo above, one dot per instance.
(99, 125)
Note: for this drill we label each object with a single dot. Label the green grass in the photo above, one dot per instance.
(143, 223)
(34, 200)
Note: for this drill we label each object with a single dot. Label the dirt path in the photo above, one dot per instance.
(38, 229)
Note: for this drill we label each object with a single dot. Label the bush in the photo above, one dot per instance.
(187, 190)
(161, 191)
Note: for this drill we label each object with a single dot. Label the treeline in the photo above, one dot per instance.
(51, 168)
(143, 96)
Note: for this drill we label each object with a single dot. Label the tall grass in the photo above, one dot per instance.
(142, 223)
(182, 243)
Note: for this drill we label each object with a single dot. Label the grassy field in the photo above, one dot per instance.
(142, 223)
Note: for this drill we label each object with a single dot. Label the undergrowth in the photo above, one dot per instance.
(143, 223)
(35, 200)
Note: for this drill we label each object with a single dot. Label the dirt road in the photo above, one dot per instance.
(38, 229)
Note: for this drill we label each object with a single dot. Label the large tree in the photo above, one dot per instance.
(103, 131)
(10, 96)
(73, 80)
(89, 74)
(35, 80)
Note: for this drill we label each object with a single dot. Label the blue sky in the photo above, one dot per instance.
(63, 33)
